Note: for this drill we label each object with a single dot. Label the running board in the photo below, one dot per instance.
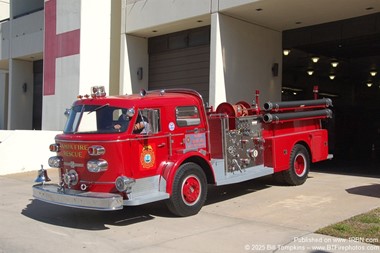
(244, 175)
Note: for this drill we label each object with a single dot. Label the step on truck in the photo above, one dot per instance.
(130, 150)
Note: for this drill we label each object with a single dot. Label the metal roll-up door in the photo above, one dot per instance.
(181, 60)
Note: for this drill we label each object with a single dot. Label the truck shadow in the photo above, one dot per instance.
(372, 190)
(83, 219)
(102, 220)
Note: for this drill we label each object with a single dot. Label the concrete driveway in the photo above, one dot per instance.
(255, 216)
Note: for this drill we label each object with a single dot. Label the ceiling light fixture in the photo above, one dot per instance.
(315, 59)
(310, 72)
(286, 52)
(369, 84)
(334, 64)
(332, 77)
(373, 73)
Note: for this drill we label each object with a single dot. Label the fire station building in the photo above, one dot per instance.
(53, 50)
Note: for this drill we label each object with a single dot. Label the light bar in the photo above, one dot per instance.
(98, 91)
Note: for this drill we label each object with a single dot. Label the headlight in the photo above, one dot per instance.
(55, 162)
(97, 165)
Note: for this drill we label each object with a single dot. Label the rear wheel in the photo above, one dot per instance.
(189, 190)
(299, 166)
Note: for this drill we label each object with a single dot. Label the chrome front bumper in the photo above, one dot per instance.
(78, 199)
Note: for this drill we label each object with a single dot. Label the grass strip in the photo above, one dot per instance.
(363, 228)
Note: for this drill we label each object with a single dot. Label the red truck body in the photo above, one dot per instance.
(183, 147)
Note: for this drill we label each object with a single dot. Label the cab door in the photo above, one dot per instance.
(149, 148)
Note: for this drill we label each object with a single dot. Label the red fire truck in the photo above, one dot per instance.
(167, 145)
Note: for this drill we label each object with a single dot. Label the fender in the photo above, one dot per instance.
(169, 169)
(281, 147)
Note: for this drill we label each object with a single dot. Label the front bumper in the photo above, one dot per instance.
(78, 199)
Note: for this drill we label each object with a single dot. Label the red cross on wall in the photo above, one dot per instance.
(56, 45)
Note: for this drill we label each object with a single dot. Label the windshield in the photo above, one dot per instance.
(96, 119)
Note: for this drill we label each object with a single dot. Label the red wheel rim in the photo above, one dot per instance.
(191, 190)
(300, 165)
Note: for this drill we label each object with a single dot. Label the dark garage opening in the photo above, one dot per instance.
(353, 85)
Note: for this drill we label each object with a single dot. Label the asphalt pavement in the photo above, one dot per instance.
(254, 216)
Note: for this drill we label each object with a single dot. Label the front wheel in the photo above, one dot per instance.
(189, 190)
(299, 166)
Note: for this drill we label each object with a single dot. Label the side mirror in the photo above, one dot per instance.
(67, 112)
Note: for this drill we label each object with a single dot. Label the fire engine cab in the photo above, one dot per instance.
(167, 145)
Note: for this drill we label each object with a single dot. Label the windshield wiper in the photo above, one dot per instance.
(98, 108)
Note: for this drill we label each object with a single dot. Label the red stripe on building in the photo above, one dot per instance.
(56, 45)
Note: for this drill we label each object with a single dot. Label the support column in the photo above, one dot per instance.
(20, 103)
(3, 100)
(217, 79)
(135, 58)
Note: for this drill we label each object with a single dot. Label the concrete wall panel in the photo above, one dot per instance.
(67, 89)
(139, 13)
(248, 53)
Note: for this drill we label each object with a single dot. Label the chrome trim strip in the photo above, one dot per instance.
(93, 182)
(78, 199)
(123, 140)
(73, 164)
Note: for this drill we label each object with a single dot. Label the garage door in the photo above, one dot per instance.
(181, 60)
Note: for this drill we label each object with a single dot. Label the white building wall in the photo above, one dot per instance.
(4, 9)
(76, 74)
(67, 69)
(95, 44)
(25, 150)
(68, 15)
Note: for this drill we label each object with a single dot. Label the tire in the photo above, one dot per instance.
(299, 166)
(189, 190)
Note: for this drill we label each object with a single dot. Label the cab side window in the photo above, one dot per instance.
(187, 116)
(149, 119)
